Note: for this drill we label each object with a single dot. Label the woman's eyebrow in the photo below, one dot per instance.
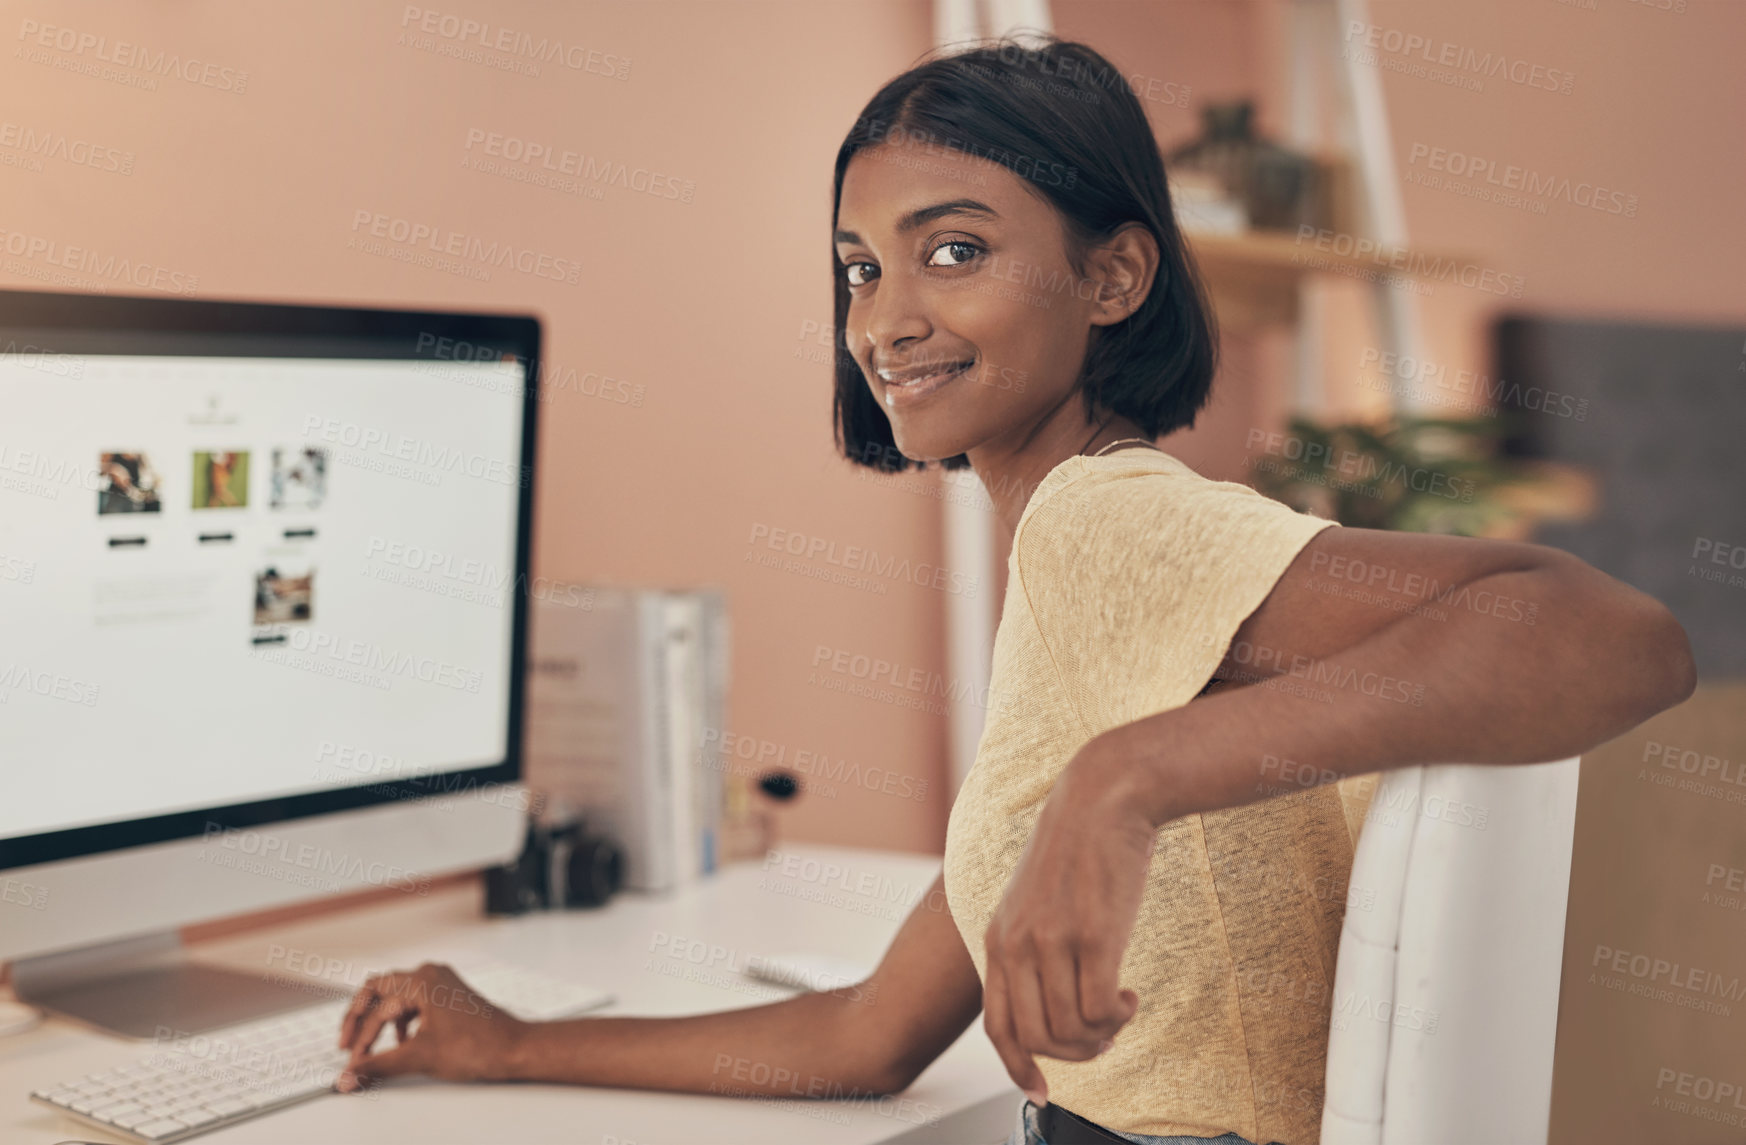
(923, 215)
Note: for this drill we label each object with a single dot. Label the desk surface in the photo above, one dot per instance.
(829, 901)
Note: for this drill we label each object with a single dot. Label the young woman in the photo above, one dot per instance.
(1133, 906)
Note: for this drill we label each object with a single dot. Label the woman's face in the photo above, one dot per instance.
(964, 315)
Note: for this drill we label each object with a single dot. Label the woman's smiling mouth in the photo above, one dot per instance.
(905, 387)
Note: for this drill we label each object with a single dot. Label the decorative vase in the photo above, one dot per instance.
(1280, 189)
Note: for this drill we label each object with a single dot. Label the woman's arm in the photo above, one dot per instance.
(1514, 653)
(869, 1039)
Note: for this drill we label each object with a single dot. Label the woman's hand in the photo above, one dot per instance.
(1055, 945)
(460, 1035)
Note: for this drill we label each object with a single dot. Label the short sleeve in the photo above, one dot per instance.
(1139, 579)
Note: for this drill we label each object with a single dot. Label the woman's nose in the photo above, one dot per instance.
(896, 314)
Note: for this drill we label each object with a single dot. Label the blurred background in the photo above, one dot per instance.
(1549, 319)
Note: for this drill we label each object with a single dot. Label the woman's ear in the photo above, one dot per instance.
(1123, 268)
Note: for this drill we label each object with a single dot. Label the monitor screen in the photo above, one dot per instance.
(229, 579)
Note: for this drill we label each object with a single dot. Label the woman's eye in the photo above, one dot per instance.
(858, 273)
(962, 252)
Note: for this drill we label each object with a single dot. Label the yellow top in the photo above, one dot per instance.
(1128, 577)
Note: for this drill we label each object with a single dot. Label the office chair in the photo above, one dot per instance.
(1446, 990)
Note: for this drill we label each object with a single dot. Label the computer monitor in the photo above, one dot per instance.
(263, 600)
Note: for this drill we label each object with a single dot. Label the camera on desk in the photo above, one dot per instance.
(562, 864)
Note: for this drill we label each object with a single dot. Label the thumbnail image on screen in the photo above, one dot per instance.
(127, 483)
(284, 594)
(221, 480)
(299, 478)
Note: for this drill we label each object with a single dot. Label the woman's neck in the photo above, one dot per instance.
(1011, 468)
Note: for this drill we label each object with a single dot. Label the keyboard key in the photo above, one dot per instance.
(116, 1109)
(135, 1118)
(162, 1128)
(229, 1106)
(266, 1098)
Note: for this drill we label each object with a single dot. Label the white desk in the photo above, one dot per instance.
(748, 909)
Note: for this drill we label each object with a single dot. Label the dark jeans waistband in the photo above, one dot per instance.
(1064, 1127)
(1058, 1126)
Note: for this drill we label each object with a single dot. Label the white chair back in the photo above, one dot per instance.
(1446, 991)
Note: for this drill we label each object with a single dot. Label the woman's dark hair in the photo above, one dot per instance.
(1059, 115)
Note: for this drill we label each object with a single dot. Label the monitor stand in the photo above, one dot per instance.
(146, 988)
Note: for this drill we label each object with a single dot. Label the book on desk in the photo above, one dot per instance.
(627, 698)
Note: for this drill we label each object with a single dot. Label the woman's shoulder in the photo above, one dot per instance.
(1100, 516)
(1137, 487)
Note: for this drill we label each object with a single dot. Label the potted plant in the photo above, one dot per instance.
(1414, 474)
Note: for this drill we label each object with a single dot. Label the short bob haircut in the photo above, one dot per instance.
(1060, 116)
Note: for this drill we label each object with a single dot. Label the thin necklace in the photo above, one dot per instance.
(1121, 441)
(1110, 444)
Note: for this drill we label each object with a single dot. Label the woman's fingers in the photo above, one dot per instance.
(390, 1006)
(1045, 992)
(362, 1002)
(407, 1057)
(1104, 1004)
(371, 1027)
(1067, 1022)
(1058, 987)
(1024, 994)
(997, 1020)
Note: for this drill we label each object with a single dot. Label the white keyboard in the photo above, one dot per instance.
(208, 1081)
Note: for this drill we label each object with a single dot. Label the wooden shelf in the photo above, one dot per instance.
(1253, 277)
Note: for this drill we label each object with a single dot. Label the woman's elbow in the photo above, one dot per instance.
(1661, 667)
(1676, 654)
(1631, 640)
